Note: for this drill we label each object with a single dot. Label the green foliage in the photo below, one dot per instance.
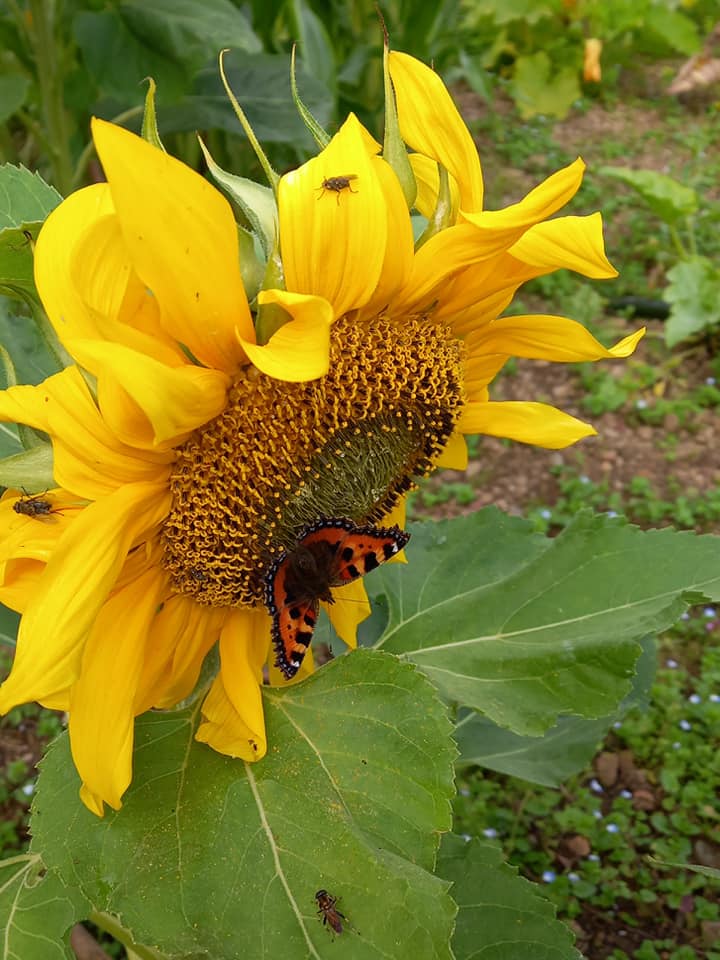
(614, 844)
(515, 920)
(210, 854)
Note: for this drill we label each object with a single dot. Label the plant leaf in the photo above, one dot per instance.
(525, 628)
(37, 911)
(694, 297)
(500, 914)
(561, 751)
(213, 857)
(538, 88)
(25, 202)
(667, 198)
(13, 90)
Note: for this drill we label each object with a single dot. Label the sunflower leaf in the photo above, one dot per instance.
(37, 909)
(212, 857)
(25, 201)
(499, 912)
(524, 628)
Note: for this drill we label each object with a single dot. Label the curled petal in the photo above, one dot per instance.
(430, 123)
(175, 400)
(506, 226)
(526, 422)
(540, 337)
(300, 349)
(454, 455)
(233, 721)
(575, 243)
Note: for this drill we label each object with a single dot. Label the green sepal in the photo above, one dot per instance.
(272, 176)
(149, 129)
(271, 316)
(252, 267)
(31, 470)
(256, 202)
(320, 136)
(394, 151)
(443, 214)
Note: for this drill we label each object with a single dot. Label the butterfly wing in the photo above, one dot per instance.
(293, 620)
(357, 549)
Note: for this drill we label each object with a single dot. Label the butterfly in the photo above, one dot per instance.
(329, 553)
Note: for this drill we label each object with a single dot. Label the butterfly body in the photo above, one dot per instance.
(329, 553)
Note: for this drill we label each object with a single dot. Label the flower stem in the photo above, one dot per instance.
(50, 82)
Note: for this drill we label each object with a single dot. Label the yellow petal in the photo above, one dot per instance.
(480, 370)
(333, 241)
(427, 177)
(101, 702)
(430, 123)
(300, 349)
(175, 400)
(182, 635)
(87, 458)
(233, 721)
(350, 607)
(182, 241)
(575, 243)
(505, 227)
(454, 455)
(536, 423)
(399, 252)
(79, 576)
(544, 337)
(55, 256)
(396, 517)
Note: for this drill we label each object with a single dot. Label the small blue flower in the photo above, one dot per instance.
(709, 612)
(464, 792)
(584, 479)
(685, 616)
(573, 877)
(28, 789)
(714, 698)
(549, 876)
(594, 857)
(596, 786)
(617, 724)
(695, 698)
(490, 832)
(466, 837)
(612, 828)
(612, 513)
(677, 745)
(710, 381)
(626, 794)
(546, 514)
(597, 814)
(685, 725)
(640, 404)
(671, 664)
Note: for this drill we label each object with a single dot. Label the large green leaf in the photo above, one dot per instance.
(562, 751)
(13, 90)
(210, 857)
(540, 87)
(36, 910)
(525, 628)
(694, 297)
(25, 202)
(500, 914)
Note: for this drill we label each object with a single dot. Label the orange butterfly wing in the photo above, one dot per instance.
(353, 551)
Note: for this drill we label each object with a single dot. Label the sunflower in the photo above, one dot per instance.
(195, 437)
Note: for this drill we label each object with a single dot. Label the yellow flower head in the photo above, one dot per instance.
(189, 453)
